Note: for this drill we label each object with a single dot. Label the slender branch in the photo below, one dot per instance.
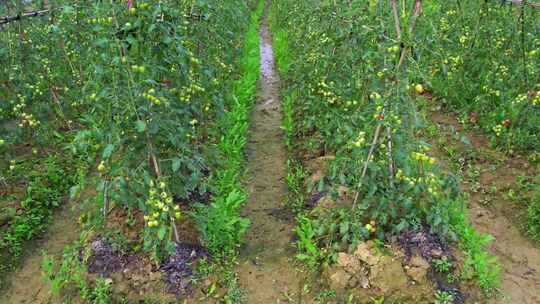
(523, 46)
(8, 19)
(368, 159)
(60, 109)
(175, 230)
(525, 3)
(105, 200)
(389, 154)
(4, 185)
(157, 171)
(396, 19)
(416, 13)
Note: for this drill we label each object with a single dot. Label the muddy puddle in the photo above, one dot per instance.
(266, 269)
(491, 211)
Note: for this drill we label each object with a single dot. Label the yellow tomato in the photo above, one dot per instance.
(419, 89)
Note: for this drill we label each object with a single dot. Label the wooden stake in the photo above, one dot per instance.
(105, 200)
(364, 171)
(157, 171)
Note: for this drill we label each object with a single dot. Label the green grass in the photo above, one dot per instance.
(533, 213)
(220, 225)
(49, 180)
(301, 116)
(71, 273)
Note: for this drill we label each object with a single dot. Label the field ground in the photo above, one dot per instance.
(295, 151)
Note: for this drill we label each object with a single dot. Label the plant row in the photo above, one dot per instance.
(353, 97)
(482, 61)
(152, 97)
(36, 188)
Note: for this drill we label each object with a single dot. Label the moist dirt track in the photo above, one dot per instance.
(266, 270)
(27, 285)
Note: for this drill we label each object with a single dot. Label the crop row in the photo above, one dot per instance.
(482, 61)
(151, 98)
(352, 86)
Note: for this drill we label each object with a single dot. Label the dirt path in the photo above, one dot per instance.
(27, 286)
(490, 210)
(266, 269)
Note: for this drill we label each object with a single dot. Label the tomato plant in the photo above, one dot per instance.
(353, 82)
(138, 91)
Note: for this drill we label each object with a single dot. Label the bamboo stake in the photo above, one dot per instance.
(396, 19)
(390, 158)
(412, 26)
(157, 171)
(368, 159)
(8, 19)
(105, 200)
(526, 3)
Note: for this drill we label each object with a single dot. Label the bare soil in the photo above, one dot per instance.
(266, 270)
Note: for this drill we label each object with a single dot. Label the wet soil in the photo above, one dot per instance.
(491, 211)
(179, 268)
(266, 269)
(27, 286)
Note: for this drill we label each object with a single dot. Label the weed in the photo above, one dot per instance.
(235, 294)
(533, 214)
(295, 182)
(309, 253)
(220, 225)
(379, 300)
(70, 274)
(443, 297)
(325, 296)
(442, 265)
(49, 180)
